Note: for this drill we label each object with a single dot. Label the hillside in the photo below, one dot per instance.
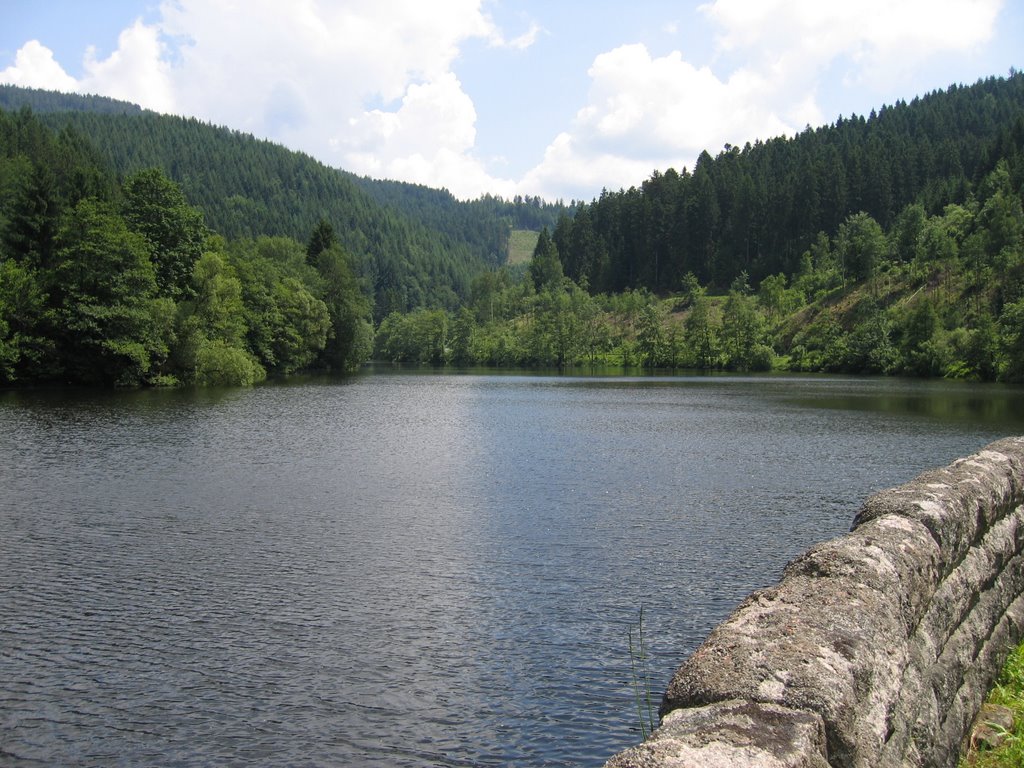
(415, 245)
(887, 244)
(12, 98)
(521, 246)
(486, 222)
(758, 208)
(892, 244)
(120, 282)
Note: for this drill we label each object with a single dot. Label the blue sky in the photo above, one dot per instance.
(556, 98)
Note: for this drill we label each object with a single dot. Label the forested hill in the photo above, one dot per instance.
(888, 244)
(486, 220)
(419, 249)
(756, 209)
(12, 98)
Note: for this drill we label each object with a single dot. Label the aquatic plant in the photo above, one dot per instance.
(641, 677)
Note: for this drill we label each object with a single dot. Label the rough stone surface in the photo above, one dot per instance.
(888, 637)
(728, 734)
(991, 727)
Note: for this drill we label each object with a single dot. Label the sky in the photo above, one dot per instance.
(556, 98)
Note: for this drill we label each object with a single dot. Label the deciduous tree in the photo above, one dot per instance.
(155, 207)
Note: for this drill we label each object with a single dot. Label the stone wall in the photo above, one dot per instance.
(875, 649)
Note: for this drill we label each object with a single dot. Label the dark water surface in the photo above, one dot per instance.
(412, 569)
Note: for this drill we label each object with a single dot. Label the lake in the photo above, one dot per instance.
(413, 569)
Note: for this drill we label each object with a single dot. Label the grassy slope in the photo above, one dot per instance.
(521, 244)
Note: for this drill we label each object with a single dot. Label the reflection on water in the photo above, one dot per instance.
(412, 569)
(991, 405)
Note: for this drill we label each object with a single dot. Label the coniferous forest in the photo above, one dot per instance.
(145, 249)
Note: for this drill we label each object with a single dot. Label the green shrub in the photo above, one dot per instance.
(218, 364)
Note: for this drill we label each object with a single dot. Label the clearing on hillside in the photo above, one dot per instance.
(521, 244)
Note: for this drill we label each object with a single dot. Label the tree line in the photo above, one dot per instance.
(758, 208)
(891, 244)
(122, 283)
(415, 246)
(932, 295)
(13, 97)
(887, 244)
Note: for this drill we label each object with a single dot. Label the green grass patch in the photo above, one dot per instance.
(1008, 692)
(521, 244)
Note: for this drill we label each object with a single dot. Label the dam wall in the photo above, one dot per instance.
(875, 649)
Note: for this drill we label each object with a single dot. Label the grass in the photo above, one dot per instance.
(1008, 692)
(521, 244)
(641, 678)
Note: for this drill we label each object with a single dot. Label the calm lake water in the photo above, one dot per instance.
(413, 569)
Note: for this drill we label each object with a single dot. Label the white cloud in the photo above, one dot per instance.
(645, 112)
(35, 67)
(135, 72)
(570, 171)
(520, 43)
(303, 73)
(428, 140)
(875, 41)
(370, 85)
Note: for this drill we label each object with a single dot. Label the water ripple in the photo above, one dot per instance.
(407, 570)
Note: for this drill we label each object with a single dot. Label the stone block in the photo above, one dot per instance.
(729, 734)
